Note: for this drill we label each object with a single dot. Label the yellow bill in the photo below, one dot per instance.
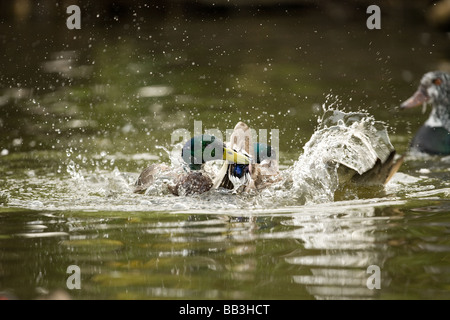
(235, 157)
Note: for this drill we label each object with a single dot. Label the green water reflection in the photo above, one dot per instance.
(301, 255)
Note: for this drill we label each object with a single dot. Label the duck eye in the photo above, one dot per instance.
(437, 81)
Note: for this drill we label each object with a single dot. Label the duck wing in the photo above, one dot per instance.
(357, 145)
(146, 178)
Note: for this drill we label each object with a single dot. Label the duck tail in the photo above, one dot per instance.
(381, 173)
(394, 167)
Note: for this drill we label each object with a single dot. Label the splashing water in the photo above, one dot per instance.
(355, 140)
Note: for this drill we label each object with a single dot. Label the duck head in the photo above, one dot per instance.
(203, 148)
(434, 89)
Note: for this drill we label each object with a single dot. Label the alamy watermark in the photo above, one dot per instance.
(374, 21)
(374, 280)
(215, 151)
(74, 20)
(74, 280)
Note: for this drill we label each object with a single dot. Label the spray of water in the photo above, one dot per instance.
(353, 140)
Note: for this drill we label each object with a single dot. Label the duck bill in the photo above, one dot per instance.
(419, 98)
(235, 157)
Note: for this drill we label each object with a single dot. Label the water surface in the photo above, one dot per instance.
(84, 112)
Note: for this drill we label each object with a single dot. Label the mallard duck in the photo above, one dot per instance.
(252, 166)
(434, 136)
(195, 153)
(259, 173)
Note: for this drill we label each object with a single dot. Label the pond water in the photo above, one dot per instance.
(83, 112)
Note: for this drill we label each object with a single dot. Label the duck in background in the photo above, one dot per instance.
(434, 136)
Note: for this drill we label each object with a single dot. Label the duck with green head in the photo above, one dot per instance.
(434, 136)
(195, 153)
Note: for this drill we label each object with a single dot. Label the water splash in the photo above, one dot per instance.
(73, 170)
(353, 140)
